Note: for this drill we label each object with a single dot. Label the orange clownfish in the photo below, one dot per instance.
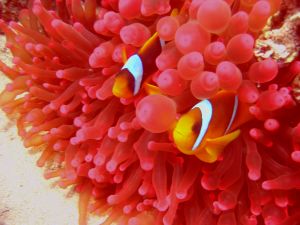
(210, 126)
(129, 80)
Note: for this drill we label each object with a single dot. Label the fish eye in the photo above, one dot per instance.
(197, 126)
(198, 122)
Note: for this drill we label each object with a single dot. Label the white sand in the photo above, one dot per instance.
(26, 198)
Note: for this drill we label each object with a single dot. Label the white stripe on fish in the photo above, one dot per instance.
(206, 110)
(135, 66)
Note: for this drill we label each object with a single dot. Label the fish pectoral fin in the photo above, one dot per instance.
(151, 89)
(175, 12)
(214, 147)
(223, 140)
(206, 157)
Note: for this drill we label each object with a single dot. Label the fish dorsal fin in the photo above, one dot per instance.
(174, 12)
(206, 110)
(124, 55)
(135, 66)
(148, 42)
(155, 35)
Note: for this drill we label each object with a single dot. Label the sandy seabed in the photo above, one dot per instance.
(26, 198)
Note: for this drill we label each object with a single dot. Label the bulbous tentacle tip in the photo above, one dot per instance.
(296, 156)
(121, 151)
(254, 175)
(17, 60)
(266, 185)
(156, 113)
(2, 23)
(37, 8)
(56, 23)
(181, 195)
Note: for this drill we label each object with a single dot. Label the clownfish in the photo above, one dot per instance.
(128, 81)
(210, 126)
(138, 67)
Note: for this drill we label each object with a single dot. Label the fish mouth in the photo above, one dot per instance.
(187, 130)
(121, 93)
(117, 94)
(184, 140)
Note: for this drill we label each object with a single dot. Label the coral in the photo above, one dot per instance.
(280, 29)
(119, 153)
(9, 9)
